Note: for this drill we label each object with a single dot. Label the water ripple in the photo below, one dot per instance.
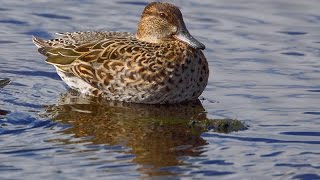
(52, 16)
(272, 154)
(293, 54)
(293, 33)
(133, 3)
(39, 33)
(4, 9)
(312, 113)
(7, 42)
(213, 173)
(15, 22)
(24, 152)
(306, 176)
(51, 75)
(256, 139)
(301, 133)
(297, 165)
(218, 162)
(6, 168)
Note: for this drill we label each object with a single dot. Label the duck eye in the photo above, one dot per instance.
(163, 15)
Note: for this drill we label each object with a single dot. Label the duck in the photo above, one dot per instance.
(162, 63)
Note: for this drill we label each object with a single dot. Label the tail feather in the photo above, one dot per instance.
(40, 43)
(43, 45)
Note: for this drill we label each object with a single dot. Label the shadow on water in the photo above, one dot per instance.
(158, 135)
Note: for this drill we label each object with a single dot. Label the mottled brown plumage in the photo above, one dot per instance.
(162, 63)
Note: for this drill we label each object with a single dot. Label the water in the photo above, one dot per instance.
(264, 63)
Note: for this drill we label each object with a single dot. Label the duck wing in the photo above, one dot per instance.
(100, 57)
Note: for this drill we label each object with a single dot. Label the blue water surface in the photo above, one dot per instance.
(264, 71)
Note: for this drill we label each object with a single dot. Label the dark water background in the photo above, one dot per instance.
(265, 71)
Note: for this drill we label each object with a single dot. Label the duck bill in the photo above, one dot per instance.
(185, 36)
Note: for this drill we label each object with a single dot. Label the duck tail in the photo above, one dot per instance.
(40, 43)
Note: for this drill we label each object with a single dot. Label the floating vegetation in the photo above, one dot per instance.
(4, 82)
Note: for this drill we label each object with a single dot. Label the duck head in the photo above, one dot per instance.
(163, 21)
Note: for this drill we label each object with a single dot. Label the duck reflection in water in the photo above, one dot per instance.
(158, 135)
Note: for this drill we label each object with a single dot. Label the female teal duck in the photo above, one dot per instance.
(162, 63)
